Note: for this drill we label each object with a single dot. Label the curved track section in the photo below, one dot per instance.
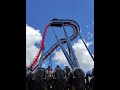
(76, 29)
(56, 23)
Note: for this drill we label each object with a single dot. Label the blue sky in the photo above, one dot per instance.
(40, 12)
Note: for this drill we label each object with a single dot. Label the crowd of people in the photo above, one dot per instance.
(58, 79)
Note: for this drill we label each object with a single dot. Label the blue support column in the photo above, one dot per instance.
(71, 51)
(50, 61)
(64, 51)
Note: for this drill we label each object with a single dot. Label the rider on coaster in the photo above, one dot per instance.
(49, 72)
(57, 68)
(89, 74)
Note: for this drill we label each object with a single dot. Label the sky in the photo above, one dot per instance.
(38, 15)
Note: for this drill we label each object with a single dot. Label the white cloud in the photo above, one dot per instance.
(82, 55)
(32, 36)
(60, 58)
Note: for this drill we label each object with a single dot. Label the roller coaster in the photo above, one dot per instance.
(77, 73)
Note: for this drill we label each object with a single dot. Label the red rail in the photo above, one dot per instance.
(41, 48)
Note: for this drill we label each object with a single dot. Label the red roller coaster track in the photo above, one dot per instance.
(41, 47)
